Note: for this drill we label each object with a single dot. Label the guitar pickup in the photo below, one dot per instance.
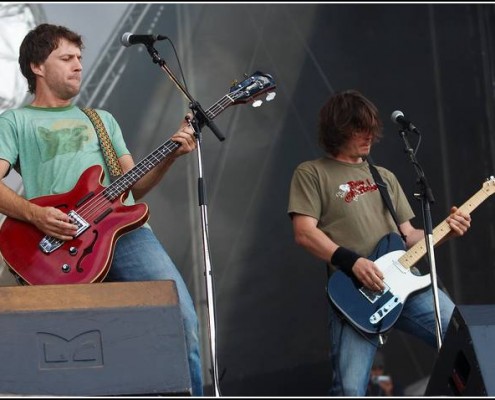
(49, 244)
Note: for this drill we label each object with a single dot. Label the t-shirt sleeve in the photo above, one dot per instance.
(8, 139)
(304, 194)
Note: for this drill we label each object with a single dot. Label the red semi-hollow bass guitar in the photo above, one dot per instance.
(98, 212)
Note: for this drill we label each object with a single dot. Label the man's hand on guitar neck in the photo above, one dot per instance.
(184, 136)
(458, 221)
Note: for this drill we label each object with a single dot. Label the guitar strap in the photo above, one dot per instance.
(382, 186)
(105, 143)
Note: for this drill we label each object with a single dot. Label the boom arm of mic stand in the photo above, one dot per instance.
(204, 120)
(426, 197)
(193, 104)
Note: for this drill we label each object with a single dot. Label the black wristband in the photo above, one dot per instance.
(344, 259)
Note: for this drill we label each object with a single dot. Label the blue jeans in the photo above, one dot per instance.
(352, 352)
(139, 256)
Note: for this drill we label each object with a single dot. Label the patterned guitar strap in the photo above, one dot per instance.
(105, 144)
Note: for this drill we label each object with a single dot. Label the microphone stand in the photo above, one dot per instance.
(200, 119)
(426, 197)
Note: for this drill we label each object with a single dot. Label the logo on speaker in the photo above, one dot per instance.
(82, 351)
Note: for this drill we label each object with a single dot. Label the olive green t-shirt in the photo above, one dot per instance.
(346, 202)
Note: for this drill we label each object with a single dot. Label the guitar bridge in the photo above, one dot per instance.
(49, 244)
(373, 295)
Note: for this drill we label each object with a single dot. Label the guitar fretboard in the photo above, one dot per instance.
(414, 254)
(126, 181)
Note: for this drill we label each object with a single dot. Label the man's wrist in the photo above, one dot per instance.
(344, 259)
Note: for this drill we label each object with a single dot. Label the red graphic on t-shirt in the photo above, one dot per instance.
(353, 189)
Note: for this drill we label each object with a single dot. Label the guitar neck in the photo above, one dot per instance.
(415, 253)
(126, 181)
(248, 89)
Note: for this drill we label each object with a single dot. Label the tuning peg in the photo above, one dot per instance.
(235, 82)
(270, 96)
(257, 103)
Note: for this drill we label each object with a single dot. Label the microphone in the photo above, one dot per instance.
(398, 118)
(128, 39)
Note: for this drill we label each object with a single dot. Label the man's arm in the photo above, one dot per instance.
(184, 136)
(459, 222)
(412, 234)
(309, 236)
(314, 240)
(49, 220)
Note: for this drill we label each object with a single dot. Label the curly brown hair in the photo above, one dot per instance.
(37, 46)
(344, 113)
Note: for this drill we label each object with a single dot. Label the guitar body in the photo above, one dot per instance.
(376, 312)
(86, 258)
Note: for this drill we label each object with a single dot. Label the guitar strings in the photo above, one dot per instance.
(105, 197)
(97, 205)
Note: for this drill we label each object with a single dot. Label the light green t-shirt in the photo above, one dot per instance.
(52, 147)
(346, 202)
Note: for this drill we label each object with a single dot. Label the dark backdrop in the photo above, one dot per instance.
(433, 62)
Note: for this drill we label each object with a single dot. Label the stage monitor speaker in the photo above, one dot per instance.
(466, 360)
(119, 338)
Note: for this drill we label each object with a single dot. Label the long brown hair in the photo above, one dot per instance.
(344, 113)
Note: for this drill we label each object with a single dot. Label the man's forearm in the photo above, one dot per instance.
(13, 205)
(152, 178)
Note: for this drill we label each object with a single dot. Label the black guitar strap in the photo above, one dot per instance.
(382, 186)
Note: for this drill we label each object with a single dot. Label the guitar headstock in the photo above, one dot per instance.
(489, 185)
(253, 87)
